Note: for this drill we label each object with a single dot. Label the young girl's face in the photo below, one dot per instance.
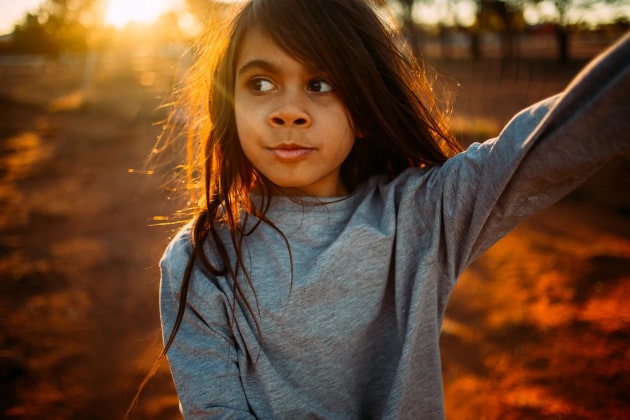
(291, 124)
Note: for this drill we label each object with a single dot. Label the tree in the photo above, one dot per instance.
(30, 37)
(409, 27)
(561, 28)
(59, 25)
(563, 23)
(504, 17)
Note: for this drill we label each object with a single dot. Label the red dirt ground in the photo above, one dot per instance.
(537, 328)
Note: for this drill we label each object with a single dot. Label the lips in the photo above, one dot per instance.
(291, 152)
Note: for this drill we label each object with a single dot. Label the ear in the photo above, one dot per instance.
(359, 134)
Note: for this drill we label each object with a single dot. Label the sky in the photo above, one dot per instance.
(12, 11)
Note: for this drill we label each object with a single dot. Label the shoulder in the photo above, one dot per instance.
(177, 252)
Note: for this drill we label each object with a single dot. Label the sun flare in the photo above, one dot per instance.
(121, 12)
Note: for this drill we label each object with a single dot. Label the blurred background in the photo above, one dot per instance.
(537, 328)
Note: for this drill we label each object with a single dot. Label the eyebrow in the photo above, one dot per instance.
(258, 64)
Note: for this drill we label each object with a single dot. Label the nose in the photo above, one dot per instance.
(290, 115)
(288, 121)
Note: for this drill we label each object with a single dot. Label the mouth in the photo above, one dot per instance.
(291, 152)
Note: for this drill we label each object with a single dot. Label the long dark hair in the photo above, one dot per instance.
(382, 85)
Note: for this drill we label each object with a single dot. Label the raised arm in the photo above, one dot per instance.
(542, 154)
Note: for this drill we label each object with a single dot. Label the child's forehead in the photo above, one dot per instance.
(257, 47)
(257, 40)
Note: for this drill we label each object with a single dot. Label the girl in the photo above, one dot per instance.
(334, 221)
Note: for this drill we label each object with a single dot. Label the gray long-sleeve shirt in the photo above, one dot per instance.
(356, 335)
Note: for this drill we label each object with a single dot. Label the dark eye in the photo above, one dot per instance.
(320, 86)
(261, 85)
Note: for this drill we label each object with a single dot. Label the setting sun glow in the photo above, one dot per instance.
(121, 12)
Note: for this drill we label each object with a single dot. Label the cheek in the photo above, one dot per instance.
(346, 132)
(245, 125)
(247, 139)
(242, 114)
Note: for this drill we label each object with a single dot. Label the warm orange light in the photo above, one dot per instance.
(121, 12)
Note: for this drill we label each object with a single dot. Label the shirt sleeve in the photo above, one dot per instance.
(543, 153)
(203, 356)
